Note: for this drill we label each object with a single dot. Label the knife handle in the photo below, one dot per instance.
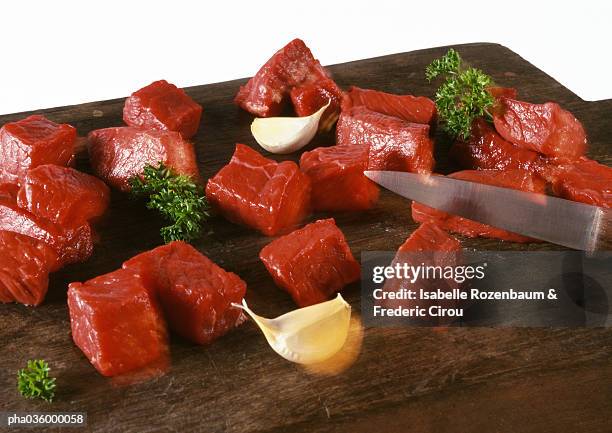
(603, 230)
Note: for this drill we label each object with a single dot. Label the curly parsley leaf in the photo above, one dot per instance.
(462, 97)
(448, 64)
(179, 200)
(34, 381)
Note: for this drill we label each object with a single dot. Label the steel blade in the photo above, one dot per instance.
(563, 222)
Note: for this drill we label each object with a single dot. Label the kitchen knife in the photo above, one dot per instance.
(563, 222)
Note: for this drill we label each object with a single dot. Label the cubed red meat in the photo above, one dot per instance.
(43, 225)
(430, 237)
(310, 97)
(428, 245)
(266, 195)
(414, 109)
(585, 180)
(544, 128)
(72, 244)
(162, 105)
(487, 150)
(195, 294)
(25, 264)
(118, 154)
(63, 195)
(515, 179)
(8, 191)
(311, 263)
(395, 144)
(31, 142)
(338, 182)
(291, 66)
(117, 323)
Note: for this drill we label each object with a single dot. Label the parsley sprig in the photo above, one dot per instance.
(177, 198)
(462, 97)
(34, 381)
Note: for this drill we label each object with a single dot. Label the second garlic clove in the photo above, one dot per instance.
(283, 135)
(307, 335)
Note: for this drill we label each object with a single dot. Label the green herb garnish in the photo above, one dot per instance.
(177, 198)
(462, 97)
(34, 381)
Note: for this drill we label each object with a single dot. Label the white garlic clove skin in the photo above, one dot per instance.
(307, 335)
(283, 135)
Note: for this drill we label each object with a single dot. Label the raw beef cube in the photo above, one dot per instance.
(63, 195)
(544, 128)
(195, 294)
(429, 237)
(585, 180)
(117, 323)
(291, 66)
(263, 194)
(118, 154)
(161, 105)
(309, 98)
(487, 150)
(31, 142)
(8, 192)
(25, 264)
(72, 244)
(431, 246)
(515, 179)
(395, 144)
(311, 263)
(338, 182)
(415, 109)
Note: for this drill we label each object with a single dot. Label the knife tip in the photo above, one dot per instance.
(370, 174)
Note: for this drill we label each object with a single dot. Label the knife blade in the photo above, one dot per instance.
(559, 221)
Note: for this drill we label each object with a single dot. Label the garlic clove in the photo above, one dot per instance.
(346, 357)
(307, 335)
(283, 135)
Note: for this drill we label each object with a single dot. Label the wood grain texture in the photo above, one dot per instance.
(418, 380)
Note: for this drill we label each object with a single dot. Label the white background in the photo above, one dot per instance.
(59, 52)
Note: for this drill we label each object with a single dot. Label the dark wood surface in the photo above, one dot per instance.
(418, 380)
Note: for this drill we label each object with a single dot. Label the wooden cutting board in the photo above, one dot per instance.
(484, 380)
